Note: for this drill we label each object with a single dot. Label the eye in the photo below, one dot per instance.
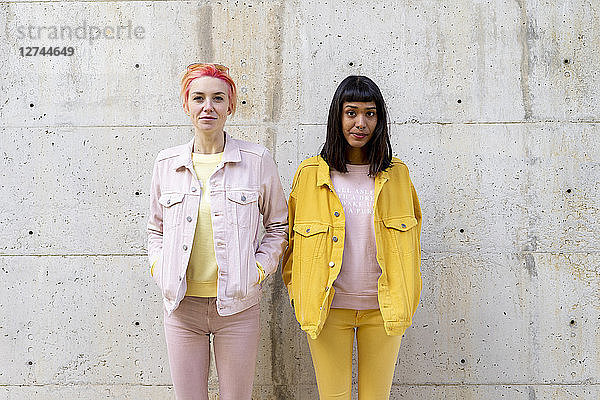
(370, 113)
(198, 98)
(219, 98)
(351, 113)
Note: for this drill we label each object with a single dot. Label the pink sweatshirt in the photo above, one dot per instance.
(356, 285)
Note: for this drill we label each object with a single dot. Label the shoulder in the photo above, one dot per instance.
(398, 171)
(171, 152)
(397, 162)
(397, 166)
(306, 174)
(249, 148)
(310, 164)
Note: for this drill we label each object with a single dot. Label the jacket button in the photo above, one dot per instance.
(335, 239)
(243, 198)
(194, 189)
(331, 264)
(169, 201)
(308, 230)
(181, 278)
(337, 214)
(327, 289)
(185, 247)
(404, 225)
(189, 219)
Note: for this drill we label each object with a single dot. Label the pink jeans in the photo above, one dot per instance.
(235, 342)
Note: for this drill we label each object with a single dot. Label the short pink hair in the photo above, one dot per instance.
(199, 70)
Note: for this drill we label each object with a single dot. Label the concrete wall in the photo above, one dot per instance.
(495, 109)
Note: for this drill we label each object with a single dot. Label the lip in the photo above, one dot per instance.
(208, 118)
(359, 136)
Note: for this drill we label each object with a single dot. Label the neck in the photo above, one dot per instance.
(209, 142)
(356, 156)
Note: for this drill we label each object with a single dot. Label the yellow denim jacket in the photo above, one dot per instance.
(313, 258)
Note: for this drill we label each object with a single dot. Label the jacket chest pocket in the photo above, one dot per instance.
(242, 207)
(401, 234)
(310, 239)
(173, 205)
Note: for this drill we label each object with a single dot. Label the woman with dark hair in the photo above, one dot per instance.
(352, 266)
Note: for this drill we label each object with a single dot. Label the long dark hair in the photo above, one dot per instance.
(379, 150)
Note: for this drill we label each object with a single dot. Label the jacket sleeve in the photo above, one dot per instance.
(273, 208)
(155, 219)
(418, 216)
(288, 258)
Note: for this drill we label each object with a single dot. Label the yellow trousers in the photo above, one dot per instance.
(331, 353)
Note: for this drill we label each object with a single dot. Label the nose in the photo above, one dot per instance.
(360, 122)
(208, 105)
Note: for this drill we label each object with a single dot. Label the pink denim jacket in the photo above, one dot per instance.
(244, 185)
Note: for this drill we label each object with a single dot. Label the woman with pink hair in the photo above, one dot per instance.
(206, 200)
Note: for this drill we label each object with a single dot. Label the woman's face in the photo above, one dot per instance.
(208, 104)
(359, 120)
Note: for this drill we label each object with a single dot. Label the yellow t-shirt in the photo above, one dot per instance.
(202, 269)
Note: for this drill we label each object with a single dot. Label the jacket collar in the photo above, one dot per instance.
(324, 178)
(382, 177)
(231, 153)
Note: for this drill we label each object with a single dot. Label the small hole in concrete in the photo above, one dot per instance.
(137, 193)
(243, 101)
(31, 232)
(566, 61)
(31, 105)
(29, 362)
(462, 361)
(136, 323)
(459, 101)
(461, 230)
(572, 322)
(351, 64)
(568, 190)
(137, 65)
